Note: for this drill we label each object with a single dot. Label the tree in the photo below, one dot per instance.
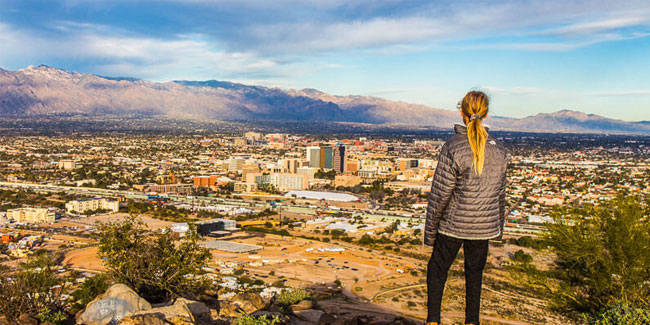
(159, 266)
(33, 288)
(603, 255)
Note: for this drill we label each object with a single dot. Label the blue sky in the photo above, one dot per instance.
(530, 56)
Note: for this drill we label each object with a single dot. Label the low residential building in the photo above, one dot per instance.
(170, 188)
(81, 206)
(31, 215)
(347, 180)
(245, 187)
(66, 164)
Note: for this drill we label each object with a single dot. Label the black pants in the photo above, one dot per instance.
(444, 253)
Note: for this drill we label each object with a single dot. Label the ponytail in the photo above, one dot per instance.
(475, 107)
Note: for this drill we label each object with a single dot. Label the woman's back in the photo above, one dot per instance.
(467, 199)
(475, 207)
(466, 206)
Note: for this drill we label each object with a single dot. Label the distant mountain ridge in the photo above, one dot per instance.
(44, 90)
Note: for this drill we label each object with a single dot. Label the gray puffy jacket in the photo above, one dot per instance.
(463, 204)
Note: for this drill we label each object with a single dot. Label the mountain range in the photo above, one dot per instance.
(48, 91)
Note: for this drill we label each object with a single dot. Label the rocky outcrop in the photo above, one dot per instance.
(303, 305)
(242, 303)
(121, 304)
(118, 301)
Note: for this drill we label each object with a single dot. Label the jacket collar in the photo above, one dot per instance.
(462, 129)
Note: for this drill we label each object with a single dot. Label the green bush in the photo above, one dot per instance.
(158, 266)
(262, 320)
(522, 257)
(292, 296)
(90, 289)
(603, 255)
(28, 290)
(623, 315)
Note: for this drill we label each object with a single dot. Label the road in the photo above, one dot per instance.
(108, 193)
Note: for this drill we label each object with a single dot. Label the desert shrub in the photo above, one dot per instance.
(603, 255)
(90, 289)
(33, 288)
(292, 296)
(262, 320)
(157, 266)
(522, 257)
(527, 241)
(622, 315)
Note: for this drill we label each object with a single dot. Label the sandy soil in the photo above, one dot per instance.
(84, 259)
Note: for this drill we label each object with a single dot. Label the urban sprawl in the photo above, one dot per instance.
(277, 209)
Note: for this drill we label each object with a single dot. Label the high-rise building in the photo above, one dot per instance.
(249, 169)
(236, 164)
(338, 158)
(352, 166)
(326, 157)
(290, 165)
(309, 171)
(313, 157)
(241, 142)
(406, 163)
(253, 136)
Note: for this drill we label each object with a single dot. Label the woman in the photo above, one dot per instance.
(466, 206)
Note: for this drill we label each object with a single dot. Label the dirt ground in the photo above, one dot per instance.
(84, 259)
(378, 286)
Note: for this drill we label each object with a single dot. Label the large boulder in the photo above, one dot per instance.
(27, 320)
(302, 305)
(309, 315)
(181, 309)
(118, 301)
(148, 319)
(241, 303)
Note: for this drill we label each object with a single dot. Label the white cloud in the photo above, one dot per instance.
(598, 26)
(142, 57)
(554, 20)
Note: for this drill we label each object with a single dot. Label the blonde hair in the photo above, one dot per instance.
(475, 108)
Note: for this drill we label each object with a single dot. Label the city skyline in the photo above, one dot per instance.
(530, 57)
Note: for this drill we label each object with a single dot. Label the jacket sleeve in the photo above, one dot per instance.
(502, 203)
(444, 183)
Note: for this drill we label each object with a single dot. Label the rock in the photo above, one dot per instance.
(198, 309)
(246, 303)
(310, 315)
(228, 309)
(25, 319)
(180, 308)
(148, 319)
(209, 300)
(180, 321)
(329, 319)
(118, 301)
(4, 320)
(154, 319)
(303, 305)
(359, 320)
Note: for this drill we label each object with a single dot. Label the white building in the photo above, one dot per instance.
(31, 215)
(81, 206)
